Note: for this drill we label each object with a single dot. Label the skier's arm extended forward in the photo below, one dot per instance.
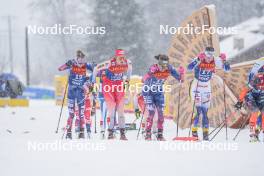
(98, 69)
(66, 66)
(91, 66)
(241, 98)
(195, 62)
(176, 74)
(221, 62)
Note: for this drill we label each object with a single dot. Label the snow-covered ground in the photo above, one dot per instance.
(29, 146)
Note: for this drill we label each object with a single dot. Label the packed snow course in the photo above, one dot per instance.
(29, 146)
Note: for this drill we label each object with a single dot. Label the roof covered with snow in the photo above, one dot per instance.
(250, 32)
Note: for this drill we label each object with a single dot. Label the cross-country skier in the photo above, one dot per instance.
(77, 83)
(204, 67)
(153, 92)
(140, 109)
(253, 95)
(87, 110)
(117, 72)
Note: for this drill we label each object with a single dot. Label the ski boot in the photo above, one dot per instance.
(111, 134)
(160, 135)
(205, 135)
(123, 134)
(69, 135)
(148, 135)
(69, 128)
(81, 134)
(102, 133)
(254, 137)
(88, 129)
(194, 132)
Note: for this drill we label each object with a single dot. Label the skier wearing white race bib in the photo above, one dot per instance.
(204, 67)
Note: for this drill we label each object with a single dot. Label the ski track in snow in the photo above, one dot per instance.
(18, 126)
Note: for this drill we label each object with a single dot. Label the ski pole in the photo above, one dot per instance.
(95, 131)
(225, 107)
(62, 105)
(242, 126)
(220, 125)
(115, 121)
(225, 121)
(94, 106)
(217, 132)
(216, 128)
(193, 107)
(178, 115)
(141, 122)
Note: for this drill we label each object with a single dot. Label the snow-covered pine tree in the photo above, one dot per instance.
(125, 28)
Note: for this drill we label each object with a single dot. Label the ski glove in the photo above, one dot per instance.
(181, 72)
(223, 57)
(137, 113)
(238, 105)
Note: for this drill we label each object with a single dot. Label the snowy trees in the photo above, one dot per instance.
(130, 24)
(59, 12)
(125, 28)
(48, 51)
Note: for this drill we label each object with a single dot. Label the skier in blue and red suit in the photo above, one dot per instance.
(204, 67)
(77, 85)
(153, 92)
